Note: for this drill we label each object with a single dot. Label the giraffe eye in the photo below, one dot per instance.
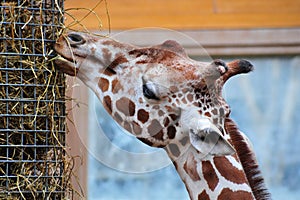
(148, 91)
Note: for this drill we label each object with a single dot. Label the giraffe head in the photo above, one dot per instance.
(156, 93)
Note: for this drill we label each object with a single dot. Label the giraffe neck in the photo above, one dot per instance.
(222, 177)
(213, 177)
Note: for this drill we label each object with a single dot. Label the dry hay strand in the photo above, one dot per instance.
(33, 159)
(78, 24)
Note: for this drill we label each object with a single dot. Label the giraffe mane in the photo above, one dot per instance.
(248, 161)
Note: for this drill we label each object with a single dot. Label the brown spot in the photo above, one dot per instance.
(116, 86)
(131, 92)
(210, 175)
(106, 54)
(119, 60)
(228, 171)
(140, 52)
(127, 127)
(159, 135)
(215, 120)
(190, 97)
(174, 89)
(118, 118)
(141, 100)
(142, 62)
(173, 117)
(203, 196)
(103, 84)
(190, 167)
(146, 141)
(222, 112)
(184, 140)
(160, 145)
(207, 114)
(126, 106)
(108, 71)
(166, 121)
(156, 107)
(174, 149)
(107, 104)
(137, 128)
(229, 194)
(155, 128)
(161, 113)
(143, 116)
(171, 132)
(169, 108)
(185, 90)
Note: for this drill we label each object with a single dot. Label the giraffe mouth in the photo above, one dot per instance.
(66, 65)
(67, 59)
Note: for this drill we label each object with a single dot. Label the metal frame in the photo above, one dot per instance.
(32, 128)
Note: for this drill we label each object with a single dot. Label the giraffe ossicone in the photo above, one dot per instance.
(168, 100)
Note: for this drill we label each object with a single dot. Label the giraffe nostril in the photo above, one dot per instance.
(75, 39)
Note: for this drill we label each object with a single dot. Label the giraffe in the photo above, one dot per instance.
(170, 101)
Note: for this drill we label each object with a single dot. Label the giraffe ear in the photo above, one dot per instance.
(207, 139)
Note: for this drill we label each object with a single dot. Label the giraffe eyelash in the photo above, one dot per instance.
(148, 91)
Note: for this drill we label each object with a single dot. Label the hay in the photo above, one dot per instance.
(34, 163)
(33, 159)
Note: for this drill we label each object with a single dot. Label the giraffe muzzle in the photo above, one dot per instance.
(237, 67)
(72, 51)
(245, 66)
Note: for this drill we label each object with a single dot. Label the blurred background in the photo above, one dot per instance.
(265, 103)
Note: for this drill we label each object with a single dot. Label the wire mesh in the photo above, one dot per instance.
(33, 163)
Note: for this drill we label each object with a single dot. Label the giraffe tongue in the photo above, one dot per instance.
(237, 67)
